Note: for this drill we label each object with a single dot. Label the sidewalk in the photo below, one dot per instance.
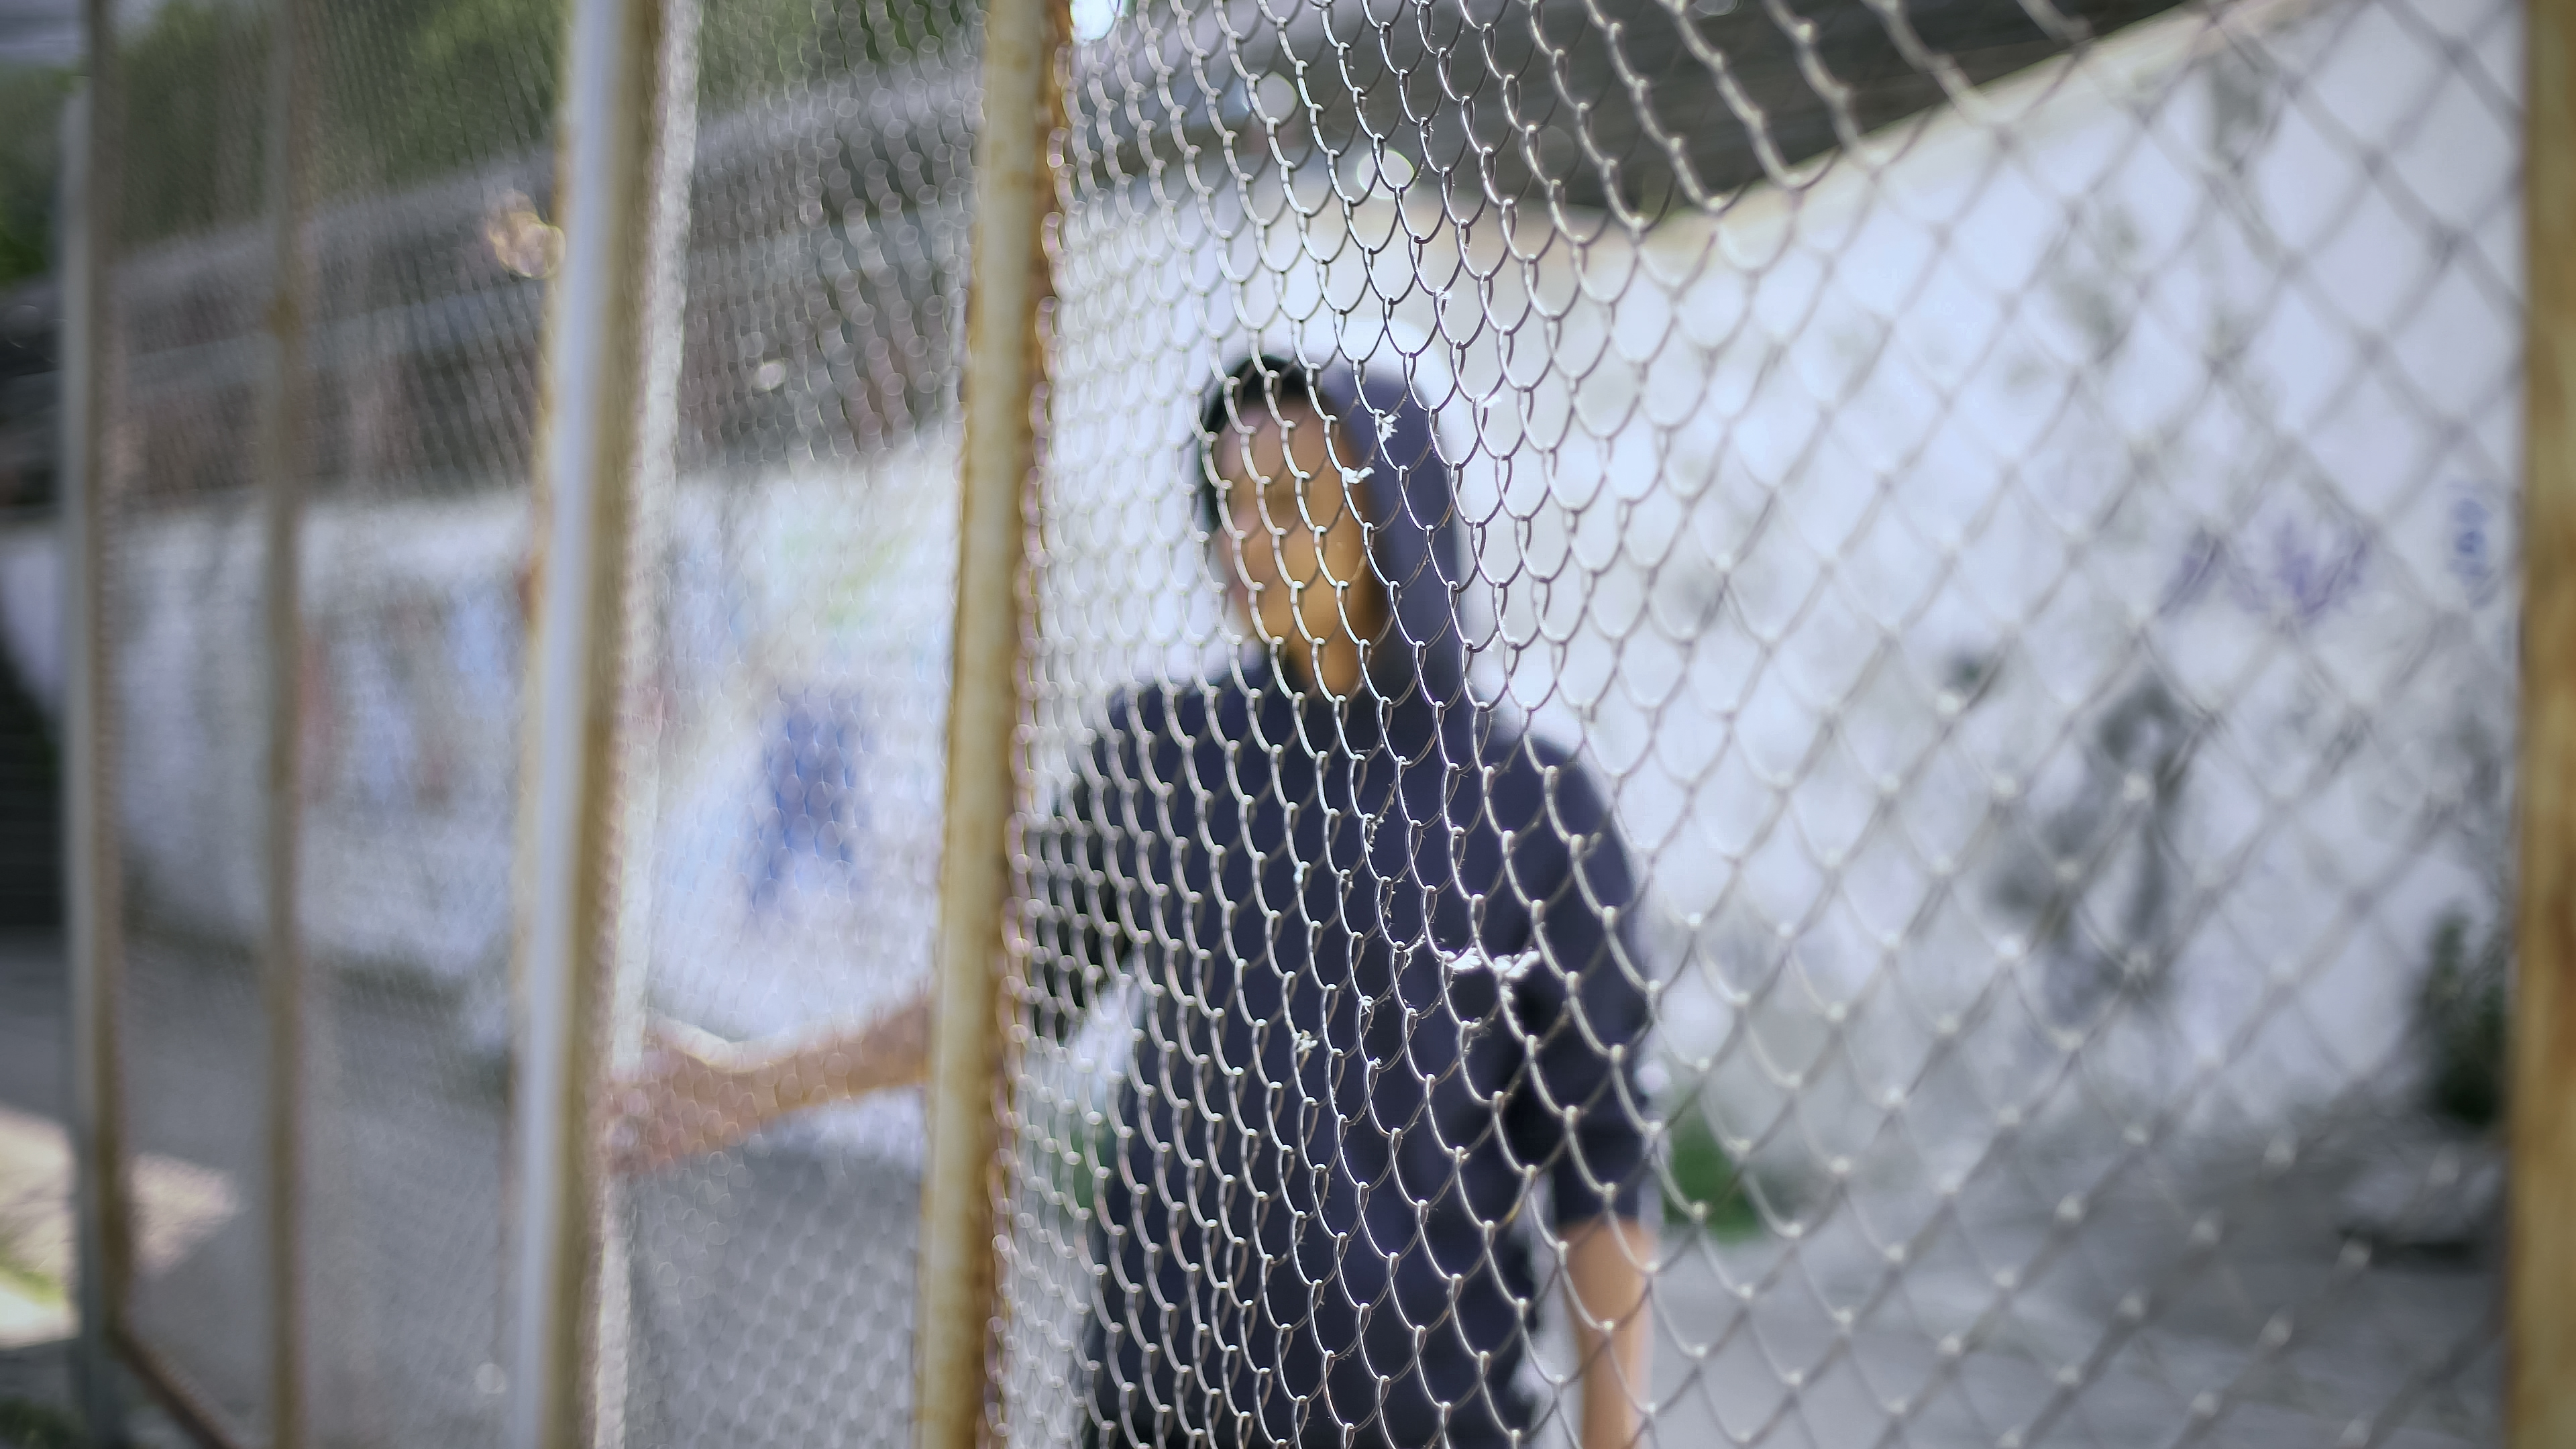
(35, 1376)
(35, 1368)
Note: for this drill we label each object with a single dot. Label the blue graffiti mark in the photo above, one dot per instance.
(2473, 556)
(810, 777)
(2202, 559)
(2309, 578)
(2300, 579)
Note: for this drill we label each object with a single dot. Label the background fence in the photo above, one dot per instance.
(2011, 510)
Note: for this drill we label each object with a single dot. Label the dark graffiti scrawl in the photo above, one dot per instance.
(2288, 574)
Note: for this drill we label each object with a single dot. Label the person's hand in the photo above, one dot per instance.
(692, 1093)
(697, 1093)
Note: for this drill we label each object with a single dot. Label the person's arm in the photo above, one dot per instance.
(1585, 1012)
(699, 1093)
(1607, 1263)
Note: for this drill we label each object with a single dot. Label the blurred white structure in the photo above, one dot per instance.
(2118, 463)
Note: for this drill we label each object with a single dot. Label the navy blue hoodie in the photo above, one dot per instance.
(1387, 996)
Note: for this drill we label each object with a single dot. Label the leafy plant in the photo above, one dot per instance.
(2461, 1013)
(751, 47)
(1071, 1175)
(437, 86)
(1702, 1184)
(26, 1424)
(407, 90)
(191, 139)
(31, 106)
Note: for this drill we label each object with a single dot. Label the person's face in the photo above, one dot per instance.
(1295, 548)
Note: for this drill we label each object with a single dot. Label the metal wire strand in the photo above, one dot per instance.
(1743, 723)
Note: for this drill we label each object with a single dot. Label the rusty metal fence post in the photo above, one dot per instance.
(2541, 1396)
(92, 910)
(1004, 389)
(608, 362)
(285, 409)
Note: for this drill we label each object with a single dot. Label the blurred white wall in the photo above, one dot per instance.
(2119, 467)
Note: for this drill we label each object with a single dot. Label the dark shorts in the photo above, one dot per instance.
(1115, 1420)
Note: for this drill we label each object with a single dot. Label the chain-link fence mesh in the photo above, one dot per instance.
(1934, 717)
(421, 331)
(803, 601)
(183, 590)
(426, 309)
(801, 693)
(1744, 722)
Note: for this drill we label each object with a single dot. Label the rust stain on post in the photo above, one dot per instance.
(93, 905)
(2541, 1404)
(285, 417)
(953, 1338)
(604, 437)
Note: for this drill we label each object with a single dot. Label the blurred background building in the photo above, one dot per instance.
(2044, 592)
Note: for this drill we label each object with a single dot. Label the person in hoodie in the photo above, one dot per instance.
(1388, 1004)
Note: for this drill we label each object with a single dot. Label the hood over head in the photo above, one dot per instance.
(1416, 539)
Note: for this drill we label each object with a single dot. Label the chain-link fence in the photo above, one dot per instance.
(182, 547)
(801, 688)
(1737, 722)
(420, 310)
(1964, 629)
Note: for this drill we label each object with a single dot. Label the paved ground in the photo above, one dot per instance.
(36, 1382)
(2220, 1301)
(770, 1285)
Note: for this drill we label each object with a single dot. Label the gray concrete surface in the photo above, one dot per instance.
(2217, 1297)
(36, 1382)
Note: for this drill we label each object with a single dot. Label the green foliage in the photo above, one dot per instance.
(414, 89)
(407, 90)
(750, 48)
(1086, 1150)
(2462, 1015)
(194, 82)
(1704, 1185)
(26, 1424)
(31, 108)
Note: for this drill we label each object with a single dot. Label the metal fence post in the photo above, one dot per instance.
(602, 440)
(92, 911)
(2541, 1259)
(1004, 388)
(285, 407)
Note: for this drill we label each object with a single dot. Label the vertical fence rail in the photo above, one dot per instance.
(1003, 390)
(605, 453)
(2541, 1398)
(285, 430)
(654, 470)
(91, 913)
(605, 358)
